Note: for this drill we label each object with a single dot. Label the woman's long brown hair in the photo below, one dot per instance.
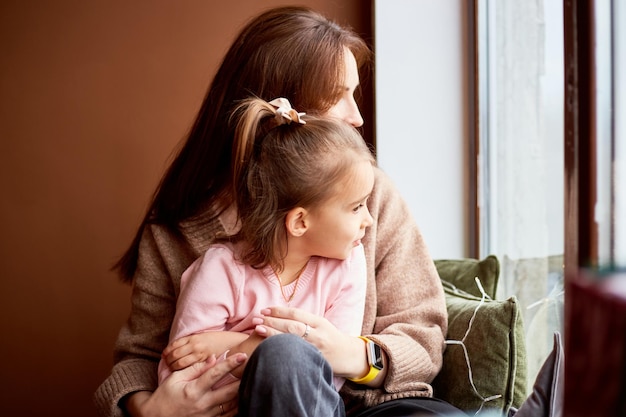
(290, 52)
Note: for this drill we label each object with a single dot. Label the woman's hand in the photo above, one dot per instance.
(346, 354)
(188, 393)
(188, 350)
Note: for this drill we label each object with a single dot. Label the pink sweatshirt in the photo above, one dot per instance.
(220, 294)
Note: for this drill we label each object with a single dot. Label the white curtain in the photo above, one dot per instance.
(521, 83)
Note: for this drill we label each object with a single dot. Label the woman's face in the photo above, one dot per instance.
(346, 108)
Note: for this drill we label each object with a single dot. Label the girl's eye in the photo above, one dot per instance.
(357, 208)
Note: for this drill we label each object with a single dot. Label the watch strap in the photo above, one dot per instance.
(373, 371)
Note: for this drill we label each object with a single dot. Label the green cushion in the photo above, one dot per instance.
(496, 349)
(461, 273)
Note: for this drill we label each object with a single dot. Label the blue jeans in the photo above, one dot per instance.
(287, 376)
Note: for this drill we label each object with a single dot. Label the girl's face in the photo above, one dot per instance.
(346, 108)
(338, 225)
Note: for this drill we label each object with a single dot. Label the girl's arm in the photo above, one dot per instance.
(208, 292)
(188, 350)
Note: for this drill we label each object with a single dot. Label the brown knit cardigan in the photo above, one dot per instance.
(405, 309)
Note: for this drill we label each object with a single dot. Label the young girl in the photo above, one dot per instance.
(301, 190)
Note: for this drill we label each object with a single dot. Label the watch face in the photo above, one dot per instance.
(376, 356)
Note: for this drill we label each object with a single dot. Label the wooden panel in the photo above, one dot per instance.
(595, 352)
(94, 96)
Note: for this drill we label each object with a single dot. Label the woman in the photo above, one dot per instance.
(286, 52)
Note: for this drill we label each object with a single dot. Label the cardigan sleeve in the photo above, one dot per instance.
(405, 308)
(162, 258)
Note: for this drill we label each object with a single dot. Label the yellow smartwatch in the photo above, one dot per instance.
(374, 359)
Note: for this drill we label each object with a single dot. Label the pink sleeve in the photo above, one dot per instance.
(208, 291)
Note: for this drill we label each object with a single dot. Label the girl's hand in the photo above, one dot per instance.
(188, 392)
(188, 350)
(346, 354)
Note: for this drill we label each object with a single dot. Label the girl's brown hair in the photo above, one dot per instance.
(289, 52)
(278, 168)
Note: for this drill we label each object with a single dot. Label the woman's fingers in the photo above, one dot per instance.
(277, 320)
(290, 313)
(216, 372)
(289, 320)
(226, 409)
(197, 382)
(189, 391)
(273, 327)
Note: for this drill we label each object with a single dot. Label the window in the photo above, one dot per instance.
(610, 133)
(520, 160)
(619, 134)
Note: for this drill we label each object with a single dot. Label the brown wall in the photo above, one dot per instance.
(94, 95)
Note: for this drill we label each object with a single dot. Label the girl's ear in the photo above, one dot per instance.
(296, 221)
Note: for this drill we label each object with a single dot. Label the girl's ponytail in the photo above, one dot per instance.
(253, 118)
(248, 117)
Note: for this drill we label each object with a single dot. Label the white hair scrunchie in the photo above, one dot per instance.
(284, 113)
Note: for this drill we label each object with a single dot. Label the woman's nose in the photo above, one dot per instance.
(353, 116)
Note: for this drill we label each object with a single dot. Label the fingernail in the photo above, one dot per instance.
(260, 330)
(266, 311)
(257, 320)
(241, 358)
